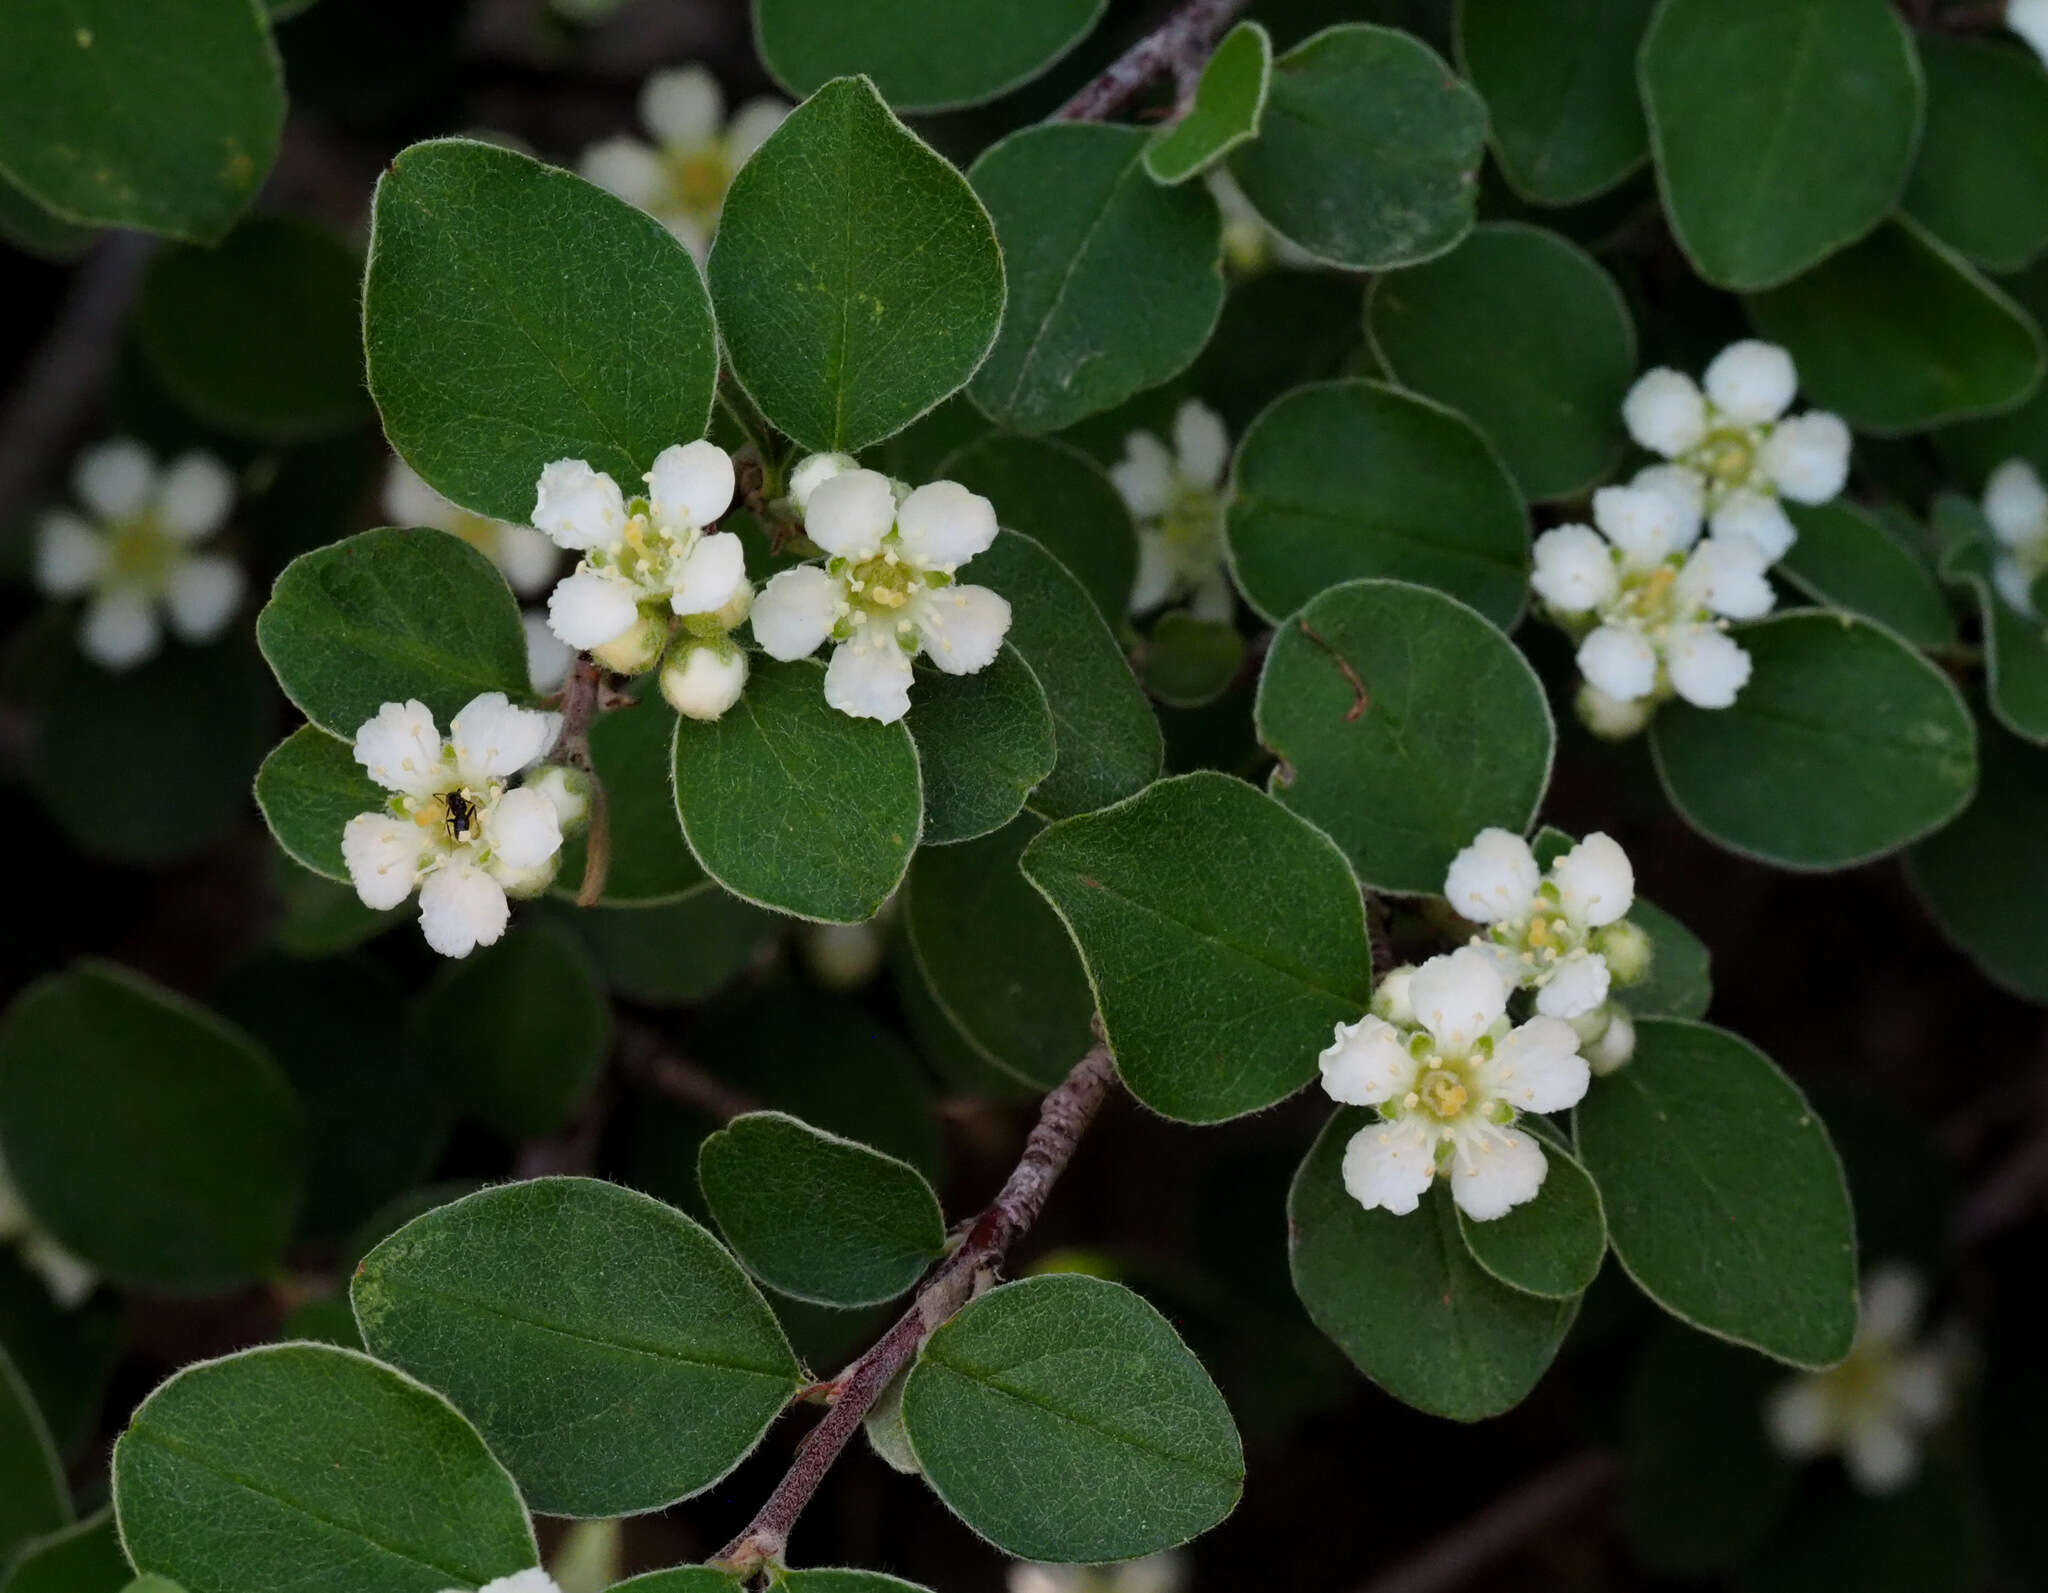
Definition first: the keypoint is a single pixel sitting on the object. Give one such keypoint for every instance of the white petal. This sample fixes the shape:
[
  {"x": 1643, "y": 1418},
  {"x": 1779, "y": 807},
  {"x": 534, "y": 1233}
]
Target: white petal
[
  {"x": 2015, "y": 502},
  {"x": 682, "y": 107},
  {"x": 1762, "y": 520},
  {"x": 943, "y": 525},
  {"x": 1493, "y": 878},
  {"x": 703, "y": 682},
  {"x": 1576, "y": 986},
  {"x": 383, "y": 857},
  {"x": 194, "y": 496},
  {"x": 1389, "y": 1165},
  {"x": 70, "y": 555},
  {"x": 462, "y": 908},
  {"x": 408, "y": 500},
  {"x": 548, "y": 657},
  {"x": 691, "y": 232},
  {"x": 120, "y": 629},
  {"x": 813, "y": 472},
  {"x": 401, "y": 749},
  {"x": 202, "y": 593},
  {"x": 752, "y": 125},
  {"x": 708, "y": 578},
  {"x": 2029, "y": 19},
  {"x": 1880, "y": 1453},
  {"x": 1366, "y": 1064},
  {"x": 1807, "y": 457},
  {"x": 494, "y": 740},
  {"x": 1494, "y": 1170},
  {"x": 2015, "y": 583},
  {"x": 627, "y": 168},
  {"x": 1685, "y": 493},
  {"x": 1458, "y": 998},
  {"x": 1538, "y": 1068},
  {"x": 1610, "y": 718},
  {"x": 1144, "y": 476},
  {"x": 526, "y": 558},
  {"x": 1706, "y": 665},
  {"x": 1214, "y": 599},
  {"x": 691, "y": 485},
  {"x": 1751, "y": 382},
  {"x": 69, "y": 1279},
  {"x": 961, "y": 627},
  {"x": 1892, "y": 1297},
  {"x": 1665, "y": 412},
  {"x": 579, "y": 507},
  {"x": 1725, "y": 575},
  {"x": 851, "y": 513},
  {"x": 1575, "y": 571},
  {"x": 1595, "y": 881},
  {"x": 1620, "y": 663},
  {"x": 1611, "y": 1052},
  {"x": 1800, "y": 1417},
  {"x": 796, "y": 611},
  {"x": 588, "y": 609},
  {"x": 523, "y": 829},
  {"x": 1201, "y": 446},
  {"x": 1920, "y": 1386},
  {"x": 1647, "y": 523},
  {"x": 1158, "y": 573},
  {"x": 115, "y": 479},
  {"x": 869, "y": 678}
]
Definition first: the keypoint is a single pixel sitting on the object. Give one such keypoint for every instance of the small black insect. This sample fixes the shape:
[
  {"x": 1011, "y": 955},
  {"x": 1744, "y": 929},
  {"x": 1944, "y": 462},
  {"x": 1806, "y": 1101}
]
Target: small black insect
[{"x": 461, "y": 816}]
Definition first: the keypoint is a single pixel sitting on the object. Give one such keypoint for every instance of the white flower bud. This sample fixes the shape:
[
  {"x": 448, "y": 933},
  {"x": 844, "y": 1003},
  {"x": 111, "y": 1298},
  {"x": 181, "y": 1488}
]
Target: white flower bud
[
  {"x": 1390, "y": 998},
  {"x": 637, "y": 650},
  {"x": 842, "y": 956},
  {"x": 568, "y": 789},
  {"x": 1627, "y": 948},
  {"x": 1615, "y": 1045},
  {"x": 814, "y": 472},
  {"x": 703, "y": 680},
  {"x": 1609, "y": 718}
]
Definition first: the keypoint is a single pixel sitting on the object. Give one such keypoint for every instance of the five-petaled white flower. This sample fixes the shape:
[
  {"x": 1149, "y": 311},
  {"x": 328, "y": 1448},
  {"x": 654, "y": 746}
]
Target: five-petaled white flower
[
  {"x": 655, "y": 551},
  {"x": 682, "y": 182},
  {"x": 1735, "y": 447},
  {"x": 1553, "y": 932},
  {"x": 1449, "y": 1076},
  {"x": 454, "y": 827},
  {"x": 1156, "y": 1573},
  {"x": 69, "y": 1280},
  {"x": 534, "y": 1580},
  {"x": 2029, "y": 19},
  {"x": 1874, "y": 1408},
  {"x": 138, "y": 557},
  {"x": 523, "y": 555},
  {"x": 887, "y": 591},
  {"x": 1176, "y": 496},
  {"x": 2016, "y": 504},
  {"x": 1648, "y": 600}
]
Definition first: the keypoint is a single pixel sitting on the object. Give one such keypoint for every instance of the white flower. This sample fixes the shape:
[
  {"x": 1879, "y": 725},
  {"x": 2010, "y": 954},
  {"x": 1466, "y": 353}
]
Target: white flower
[
  {"x": 523, "y": 556},
  {"x": 1448, "y": 1090},
  {"x": 1158, "y": 1573},
  {"x": 651, "y": 556},
  {"x": 69, "y": 1280},
  {"x": 1547, "y": 931},
  {"x": 1877, "y": 1405},
  {"x": 1176, "y": 497},
  {"x": 1735, "y": 443},
  {"x": 682, "y": 177},
  {"x": 531, "y": 1581},
  {"x": 2016, "y": 505},
  {"x": 886, "y": 592},
  {"x": 2029, "y": 19},
  {"x": 135, "y": 561},
  {"x": 455, "y": 827}
]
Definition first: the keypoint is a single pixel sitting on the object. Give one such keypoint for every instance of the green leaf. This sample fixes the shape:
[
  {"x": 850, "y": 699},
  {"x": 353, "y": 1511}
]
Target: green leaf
[
  {"x": 924, "y": 55},
  {"x": 1724, "y": 1198},
  {"x": 1679, "y": 983},
  {"x": 1900, "y": 334},
  {"x": 1405, "y": 724},
  {"x": 1981, "y": 184},
  {"x": 632, "y": 750},
  {"x": 1115, "y": 282},
  {"x": 34, "y": 230},
  {"x": 983, "y": 742},
  {"x": 1370, "y": 150},
  {"x": 611, "y": 1353},
  {"x": 320, "y": 917},
  {"x": 791, "y": 804},
  {"x": 1847, "y": 559},
  {"x": 308, "y": 789},
  {"x": 1189, "y": 662},
  {"x": 1223, "y": 937},
  {"x": 1782, "y": 129},
  {"x": 517, "y": 1030},
  {"x": 1403, "y": 1297},
  {"x": 150, "y": 1583},
  {"x": 845, "y": 1582},
  {"x": 675, "y": 954},
  {"x": 65, "y": 1357},
  {"x": 514, "y": 314},
  {"x": 1339, "y": 480},
  {"x": 996, "y": 959},
  {"x": 679, "y": 1579},
  {"x": 1108, "y": 741},
  {"x": 212, "y": 323},
  {"x": 227, "y": 1479},
  {"x": 1063, "y": 1419},
  {"x": 1844, "y": 746},
  {"x": 1975, "y": 448},
  {"x": 163, "y": 117},
  {"x": 33, "y": 1496},
  {"x": 1551, "y": 1246},
  {"x": 1985, "y": 877},
  {"x": 390, "y": 615},
  {"x": 1060, "y": 498},
  {"x": 2015, "y": 644},
  {"x": 1524, "y": 333},
  {"x": 1230, "y": 101},
  {"x": 818, "y": 1217},
  {"x": 154, "y": 1141},
  {"x": 857, "y": 276},
  {"x": 1560, "y": 86},
  {"x": 84, "y": 1558}
]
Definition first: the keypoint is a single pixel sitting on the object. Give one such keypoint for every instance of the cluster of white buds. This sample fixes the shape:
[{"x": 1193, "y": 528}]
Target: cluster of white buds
[
  {"x": 1449, "y": 1076},
  {"x": 648, "y": 563},
  {"x": 2016, "y": 505},
  {"x": 2029, "y": 19},
  {"x": 1156, "y": 1573},
  {"x": 681, "y": 178},
  {"x": 455, "y": 826},
  {"x": 886, "y": 592},
  {"x": 1176, "y": 496},
  {"x": 69, "y": 1280},
  {"x": 135, "y": 556}
]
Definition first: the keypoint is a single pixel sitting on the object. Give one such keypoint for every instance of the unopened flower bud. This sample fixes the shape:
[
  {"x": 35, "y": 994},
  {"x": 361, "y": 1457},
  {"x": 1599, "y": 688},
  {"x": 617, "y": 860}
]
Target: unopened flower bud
[
  {"x": 525, "y": 882},
  {"x": 842, "y": 956},
  {"x": 637, "y": 650},
  {"x": 1609, "y": 718},
  {"x": 814, "y": 472},
  {"x": 568, "y": 789},
  {"x": 720, "y": 620},
  {"x": 703, "y": 679},
  {"x": 1626, "y": 946},
  {"x": 1616, "y": 1044},
  {"x": 1390, "y": 1001}
]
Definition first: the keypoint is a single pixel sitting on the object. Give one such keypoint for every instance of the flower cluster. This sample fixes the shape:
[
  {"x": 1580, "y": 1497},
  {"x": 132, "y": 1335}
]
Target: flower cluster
[
  {"x": 681, "y": 179},
  {"x": 455, "y": 826},
  {"x": 1176, "y": 497},
  {"x": 136, "y": 555},
  {"x": 1449, "y": 1075},
  {"x": 2016, "y": 505},
  {"x": 69, "y": 1280},
  {"x": 886, "y": 592}
]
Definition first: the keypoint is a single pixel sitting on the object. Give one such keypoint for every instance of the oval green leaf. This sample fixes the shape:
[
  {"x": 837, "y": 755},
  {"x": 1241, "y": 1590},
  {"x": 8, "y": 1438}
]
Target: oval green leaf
[
  {"x": 675, "y": 954},
  {"x": 82, "y": 1558},
  {"x": 1981, "y": 184},
  {"x": 1230, "y": 101},
  {"x": 631, "y": 750},
  {"x": 983, "y": 742},
  {"x": 2015, "y": 644},
  {"x": 1551, "y": 1246},
  {"x": 1846, "y": 558},
  {"x": 1189, "y": 662},
  {"x": 308, "y": 789}
]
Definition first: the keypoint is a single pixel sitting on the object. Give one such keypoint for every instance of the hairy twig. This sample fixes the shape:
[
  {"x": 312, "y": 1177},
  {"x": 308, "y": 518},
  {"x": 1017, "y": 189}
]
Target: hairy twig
[
  {"x": 646, "y": 1058},
  {"x": 1063, "y": 1118},
  {"x": 1503, "y": 1526},
  {"x": 1178, "y": 47},
  {"x": 581, "y": 699}
]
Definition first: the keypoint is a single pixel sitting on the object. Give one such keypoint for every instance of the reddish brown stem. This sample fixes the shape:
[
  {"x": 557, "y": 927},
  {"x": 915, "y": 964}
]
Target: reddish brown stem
[
  {"x": 582, "y": 698},
  {"x": 1178, "y": 47},
  {"x": 647, "y": 1059}
]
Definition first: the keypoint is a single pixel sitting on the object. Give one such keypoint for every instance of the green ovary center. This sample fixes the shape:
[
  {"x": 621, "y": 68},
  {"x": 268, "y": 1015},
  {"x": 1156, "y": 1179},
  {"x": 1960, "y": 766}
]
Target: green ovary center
[
  {"x": 699, "y": 177},
  {"x": 1193, "y": 522},
  {"x": 1727, "y": 456},
  {"x": 140, "y": 555}
]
